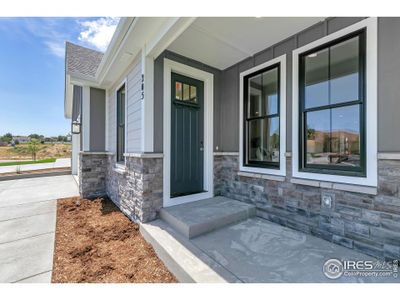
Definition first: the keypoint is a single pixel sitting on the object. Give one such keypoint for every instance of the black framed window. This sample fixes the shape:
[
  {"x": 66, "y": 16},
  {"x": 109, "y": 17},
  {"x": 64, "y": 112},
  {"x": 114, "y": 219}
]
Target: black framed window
[
  {"x": 332, "y": 107},
  {"x": 261, "y": 118},
  {"x": 121, "y": 124}
]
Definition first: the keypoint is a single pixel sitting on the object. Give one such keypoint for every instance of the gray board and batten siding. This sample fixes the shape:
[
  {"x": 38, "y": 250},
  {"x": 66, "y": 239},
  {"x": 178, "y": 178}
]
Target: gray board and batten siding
[{"x": 226, "y": 84}]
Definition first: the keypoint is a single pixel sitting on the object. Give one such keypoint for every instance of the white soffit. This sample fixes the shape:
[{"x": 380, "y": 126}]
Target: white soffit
[{"x": 222, "y": 42}]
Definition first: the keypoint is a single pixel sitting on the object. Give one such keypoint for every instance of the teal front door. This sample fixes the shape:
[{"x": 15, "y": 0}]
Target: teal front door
[{"x": 187, "y": 135}]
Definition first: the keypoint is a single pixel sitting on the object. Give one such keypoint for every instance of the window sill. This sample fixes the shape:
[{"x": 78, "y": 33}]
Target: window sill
[
  {"x": 94, "y": 153},
  {"x": 144, "y": 155},
  {"x": 119, "y": 168},
  {"x": 261, "y": 176},
  {"x": 336, "y": 186},
  {"x": 267, "y": 172},
  {"x": 389, "y": 156},
  {"x": 226, "y": 153}
]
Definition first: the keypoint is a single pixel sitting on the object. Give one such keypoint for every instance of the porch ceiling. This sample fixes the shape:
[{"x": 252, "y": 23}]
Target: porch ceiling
[{"x": 222, "y": 42}]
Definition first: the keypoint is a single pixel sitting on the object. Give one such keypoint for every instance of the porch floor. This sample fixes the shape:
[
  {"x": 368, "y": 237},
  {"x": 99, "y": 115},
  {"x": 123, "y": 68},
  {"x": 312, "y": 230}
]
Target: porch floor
[{"x": 253, "y": 250}]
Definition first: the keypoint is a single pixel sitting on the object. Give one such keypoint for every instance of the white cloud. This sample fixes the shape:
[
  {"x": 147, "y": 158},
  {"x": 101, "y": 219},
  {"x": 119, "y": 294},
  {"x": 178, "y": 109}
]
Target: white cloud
[
  {"x": 98, "y": 33},
  {"x": 57, "y": 48}
]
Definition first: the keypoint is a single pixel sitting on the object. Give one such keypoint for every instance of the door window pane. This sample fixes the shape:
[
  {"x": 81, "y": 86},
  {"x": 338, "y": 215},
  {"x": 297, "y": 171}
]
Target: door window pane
[
  {"x": 178, "y": 90},
  {"x": 264, "y": 140},
  {"x": 344, "y": 68},
  {"x": 193, "y": 93},
  {"x": 316, "y": 77},
  {"x": 186, "y": 92}
]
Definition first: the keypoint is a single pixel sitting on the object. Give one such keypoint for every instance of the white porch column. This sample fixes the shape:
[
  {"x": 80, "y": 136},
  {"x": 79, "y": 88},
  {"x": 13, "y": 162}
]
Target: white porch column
[
  {"x": 147, "y": 102},
  {"x": 85, "y": 118},
  {"x": 75, "y": 151}
]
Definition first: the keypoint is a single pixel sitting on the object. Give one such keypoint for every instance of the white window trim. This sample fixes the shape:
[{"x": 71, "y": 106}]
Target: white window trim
[
  {"x": 124, "y": 81},
  {"x": 282, "y": 119},
  {"x": 208, "y": 79},
  {"x": 371, "y": 121}
]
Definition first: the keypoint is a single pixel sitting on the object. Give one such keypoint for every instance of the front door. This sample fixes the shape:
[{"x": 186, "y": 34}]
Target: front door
[{"x": 187, "y": 135}]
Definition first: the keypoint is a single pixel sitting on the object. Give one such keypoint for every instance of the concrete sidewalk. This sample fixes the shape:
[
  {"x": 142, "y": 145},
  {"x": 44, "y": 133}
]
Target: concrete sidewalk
[
  {"x": 27, "y": 226},
  {"x": 59, "y": 163}
]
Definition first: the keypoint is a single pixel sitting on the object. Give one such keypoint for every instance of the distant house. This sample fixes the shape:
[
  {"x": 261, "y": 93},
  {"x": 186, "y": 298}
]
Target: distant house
[{"x": 21, "y": 139}]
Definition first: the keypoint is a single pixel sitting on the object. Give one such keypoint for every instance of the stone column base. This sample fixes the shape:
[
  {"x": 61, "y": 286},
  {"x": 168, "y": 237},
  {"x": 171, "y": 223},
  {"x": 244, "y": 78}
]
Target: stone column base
[{"x": 92, "y": 174}]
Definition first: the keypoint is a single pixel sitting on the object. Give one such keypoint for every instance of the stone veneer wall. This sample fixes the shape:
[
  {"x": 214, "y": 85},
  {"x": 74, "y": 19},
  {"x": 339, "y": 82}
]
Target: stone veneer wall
[
  {"x": 367, "y": 223},
  {"x": 136, "y": 189},
  {"x": 92, "y": 174}
]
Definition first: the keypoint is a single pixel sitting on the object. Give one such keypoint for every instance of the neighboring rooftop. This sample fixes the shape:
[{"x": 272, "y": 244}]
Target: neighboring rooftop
[{"x": 82, "y": 61}]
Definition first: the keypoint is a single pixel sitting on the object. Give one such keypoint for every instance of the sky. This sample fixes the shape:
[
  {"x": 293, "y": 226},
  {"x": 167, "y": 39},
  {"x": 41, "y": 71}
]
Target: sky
[{"x": 32, "y": 69}]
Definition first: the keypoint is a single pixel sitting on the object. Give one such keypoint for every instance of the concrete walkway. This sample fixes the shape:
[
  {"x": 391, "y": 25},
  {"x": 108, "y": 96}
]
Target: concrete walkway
[
  {"x": 59, "y": 163},
  {"x": 27, "y": 226}
]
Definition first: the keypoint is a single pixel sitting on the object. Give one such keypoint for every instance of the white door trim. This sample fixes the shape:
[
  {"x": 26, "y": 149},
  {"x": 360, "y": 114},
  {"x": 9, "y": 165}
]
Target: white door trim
[{"x": 208, "y": 79}]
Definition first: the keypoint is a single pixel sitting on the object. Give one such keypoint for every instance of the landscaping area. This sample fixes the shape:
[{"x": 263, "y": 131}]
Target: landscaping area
[
  {"x": 96, "y": 242},
  {"x": 27, "y": 162},
  {"x": 44, "y": 151}
]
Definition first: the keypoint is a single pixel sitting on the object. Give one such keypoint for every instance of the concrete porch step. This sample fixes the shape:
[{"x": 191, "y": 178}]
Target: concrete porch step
[{"x": 199, "y": 217}]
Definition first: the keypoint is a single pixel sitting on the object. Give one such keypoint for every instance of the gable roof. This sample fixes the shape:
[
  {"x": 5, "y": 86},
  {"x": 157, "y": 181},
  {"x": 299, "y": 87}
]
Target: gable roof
[{"x": 81, "y": 61}]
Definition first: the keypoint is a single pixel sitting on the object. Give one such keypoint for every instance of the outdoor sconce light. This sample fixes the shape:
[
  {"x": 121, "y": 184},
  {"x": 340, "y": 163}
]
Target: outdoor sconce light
[{"x": 76, "y": 127}]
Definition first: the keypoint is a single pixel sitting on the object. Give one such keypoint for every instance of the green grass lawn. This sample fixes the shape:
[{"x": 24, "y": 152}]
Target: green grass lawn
[{"x": 28, "y": 162}]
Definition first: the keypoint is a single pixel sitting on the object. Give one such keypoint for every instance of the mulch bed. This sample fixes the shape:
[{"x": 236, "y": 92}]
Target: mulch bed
[{"x": 95, "y": 242}]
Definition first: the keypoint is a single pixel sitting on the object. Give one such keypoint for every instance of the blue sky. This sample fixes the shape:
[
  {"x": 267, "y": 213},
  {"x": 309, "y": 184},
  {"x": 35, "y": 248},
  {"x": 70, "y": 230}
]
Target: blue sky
[{"x": 32, "y": 69}]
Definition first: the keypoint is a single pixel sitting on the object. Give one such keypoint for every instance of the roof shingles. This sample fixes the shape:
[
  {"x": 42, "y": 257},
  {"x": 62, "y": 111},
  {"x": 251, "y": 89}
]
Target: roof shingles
[{"x": 82, "y": 61}]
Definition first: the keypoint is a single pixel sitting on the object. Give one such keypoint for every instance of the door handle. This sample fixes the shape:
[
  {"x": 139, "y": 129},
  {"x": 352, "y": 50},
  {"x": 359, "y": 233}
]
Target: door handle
[{"x": 201, "y": 146}]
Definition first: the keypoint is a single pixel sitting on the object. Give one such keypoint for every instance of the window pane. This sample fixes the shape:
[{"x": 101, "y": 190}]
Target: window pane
[
  {"x": 178, "y": 90},
  {"x": 264, "y": 140},
  {"x": 333, "y": 136},
  {"x": 263, "y": 94},
  {"x": 316, "y": 79},
  {"x": 270, "y": 92},
  {"x": 255, "y": 94},
  {"x": 193, "y": 93},
  {"x": 186, "y": 89},
  {"x": 346, "y": 136},
  {"x": 318, "y": 137},
  {"x": 120, "y": 124},
  {"x": 121, "y": 106},
  {"x": 344, "y": 71}
]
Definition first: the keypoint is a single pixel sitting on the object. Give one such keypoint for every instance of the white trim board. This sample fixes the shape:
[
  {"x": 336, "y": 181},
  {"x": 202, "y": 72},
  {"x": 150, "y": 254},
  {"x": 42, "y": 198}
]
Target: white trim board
[
  {"x": 208, "y": 79},
  {"x": 371, "y": 122},
  {"x": 282, "y": 118},
  {"x": 147, "y": 68}
]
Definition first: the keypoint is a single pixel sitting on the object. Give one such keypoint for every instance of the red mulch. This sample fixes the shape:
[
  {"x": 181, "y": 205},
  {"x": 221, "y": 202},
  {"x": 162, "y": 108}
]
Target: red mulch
[{"x": 95, "y": 242}]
